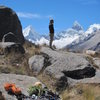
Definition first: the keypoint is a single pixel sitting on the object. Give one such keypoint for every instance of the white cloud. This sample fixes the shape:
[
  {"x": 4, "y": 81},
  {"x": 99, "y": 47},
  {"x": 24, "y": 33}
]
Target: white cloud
[
  {"x": 32, "y": 15},
  {"x": 28, "y": 15}
]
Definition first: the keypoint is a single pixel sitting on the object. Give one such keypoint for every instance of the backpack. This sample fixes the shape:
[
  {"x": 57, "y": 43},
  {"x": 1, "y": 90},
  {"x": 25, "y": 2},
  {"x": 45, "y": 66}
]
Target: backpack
[{"x": 11, "y": 88}]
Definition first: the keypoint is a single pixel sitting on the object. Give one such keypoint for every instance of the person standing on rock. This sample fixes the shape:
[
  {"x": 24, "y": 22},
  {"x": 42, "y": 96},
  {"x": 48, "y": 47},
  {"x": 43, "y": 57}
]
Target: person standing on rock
[{"x": 51, "y": 32}]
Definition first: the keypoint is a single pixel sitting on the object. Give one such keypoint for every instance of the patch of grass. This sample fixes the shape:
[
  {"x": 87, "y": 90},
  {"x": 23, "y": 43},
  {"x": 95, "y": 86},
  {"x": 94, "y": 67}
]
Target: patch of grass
[
  {"x": 18, "y": 63},
  {"x": 88, "y": 94},
  {"x": 1, "y": 51},
  {"x": 12, "y": 70},
  {"x": 48, "y": 80},
  {"x": 82, "y": 92},
  {"x": 97, "y": 98},
  {"x": 31, "y": 49},
  {"x": 5, "y": 70}
]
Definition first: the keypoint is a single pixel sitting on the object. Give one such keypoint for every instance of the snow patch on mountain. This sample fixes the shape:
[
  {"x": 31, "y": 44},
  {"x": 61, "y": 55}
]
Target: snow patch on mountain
[
  {"x": 93, "y": 28},
  {"x": 77, "y": 26},
  {"x": 83, "y": 41},
  {"x": 62, "y": 42},
  {"x": 42, "y": 41},
  {"x": 30, "y": 34},
  {"x": 68, "y": 36},
  {"x": 86, "y": 35}
]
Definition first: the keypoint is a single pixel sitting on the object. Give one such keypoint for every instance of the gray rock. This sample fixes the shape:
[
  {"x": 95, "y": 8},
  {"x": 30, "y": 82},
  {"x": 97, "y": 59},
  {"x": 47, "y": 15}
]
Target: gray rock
[
  {"x": 21, "y": 81},
  {"x": 9, "y": 22},
  {"x": 67, "y": 65},
  {"x": 36, "y": 63},
  {"x": 9, "y": 37},
  {"x": 11, "y": 47},
  {"x": 95, "y": 79},
  {"x": 16, "y": 48},
  {"x": 64, "y": 62},
  {"x": 97, "y": 61},
  {"x": 5, "y": 44}
]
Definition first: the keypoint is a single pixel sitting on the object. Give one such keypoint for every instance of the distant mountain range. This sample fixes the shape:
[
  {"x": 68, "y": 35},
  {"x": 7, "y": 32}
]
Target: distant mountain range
[
  {"x": 89, "y": 40},
  {"x": 64, "y": 39},
  {"x": 92, "y": 42}
]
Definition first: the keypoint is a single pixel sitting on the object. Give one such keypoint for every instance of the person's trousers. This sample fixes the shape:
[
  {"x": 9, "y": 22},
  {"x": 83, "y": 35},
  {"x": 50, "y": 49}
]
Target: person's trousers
[{"x": 51, "y": 39}]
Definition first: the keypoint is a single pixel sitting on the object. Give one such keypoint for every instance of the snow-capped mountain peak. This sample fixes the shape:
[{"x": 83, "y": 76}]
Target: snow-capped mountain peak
[
  {"x": 76, "y": 29},
  {"x": 28, "y": 30},
  {"x": 86, "y": 35},
  {"x": 30, "y": 34},
  {"x": 76, "y": 26},
  {"x": 93, "y": 28}
]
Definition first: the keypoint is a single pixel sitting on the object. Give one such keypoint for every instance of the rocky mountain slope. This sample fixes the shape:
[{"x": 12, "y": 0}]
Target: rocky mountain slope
[
  {"x": 83, "y": 41},
  {"x": 92, "y": 42}
]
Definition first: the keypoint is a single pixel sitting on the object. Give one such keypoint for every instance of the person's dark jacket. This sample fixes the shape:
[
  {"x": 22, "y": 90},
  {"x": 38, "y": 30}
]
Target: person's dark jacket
[{"x": 51, "y": 28}]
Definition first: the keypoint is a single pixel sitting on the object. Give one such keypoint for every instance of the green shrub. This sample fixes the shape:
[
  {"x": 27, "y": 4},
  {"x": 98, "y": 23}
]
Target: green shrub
[{"x": 35, "y": 90}]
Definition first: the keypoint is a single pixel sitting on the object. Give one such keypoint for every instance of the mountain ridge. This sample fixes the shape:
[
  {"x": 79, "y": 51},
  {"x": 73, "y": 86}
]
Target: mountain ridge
[{"x": 70, "y": 36}]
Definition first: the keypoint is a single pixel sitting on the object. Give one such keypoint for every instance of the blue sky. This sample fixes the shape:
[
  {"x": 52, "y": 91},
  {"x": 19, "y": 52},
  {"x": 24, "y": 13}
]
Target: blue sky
[{"x": 64, "y": 13}]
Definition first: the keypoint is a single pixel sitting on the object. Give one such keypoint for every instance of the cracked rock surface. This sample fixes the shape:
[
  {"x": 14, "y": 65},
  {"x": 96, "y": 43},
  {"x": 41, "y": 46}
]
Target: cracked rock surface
[
  {"x": 65, "y": 67},
  {"x": 71, "y": 63}
]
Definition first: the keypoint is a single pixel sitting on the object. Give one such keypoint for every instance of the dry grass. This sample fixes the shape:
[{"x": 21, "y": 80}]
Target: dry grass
[
  {"x": 82, "y": 92},
  {"x": 18, "y": 63},
  {"x": 78, "y": 92},
  {"x": 31, "y": 49},
  {"x": 49, "y": 81}
]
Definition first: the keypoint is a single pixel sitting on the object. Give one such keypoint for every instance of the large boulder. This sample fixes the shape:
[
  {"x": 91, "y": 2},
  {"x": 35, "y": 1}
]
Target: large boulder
[
  {"x": 38, "y": 63},
  {"x": 66, "y": 65},
  {"x": 9, "y": 22}
]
